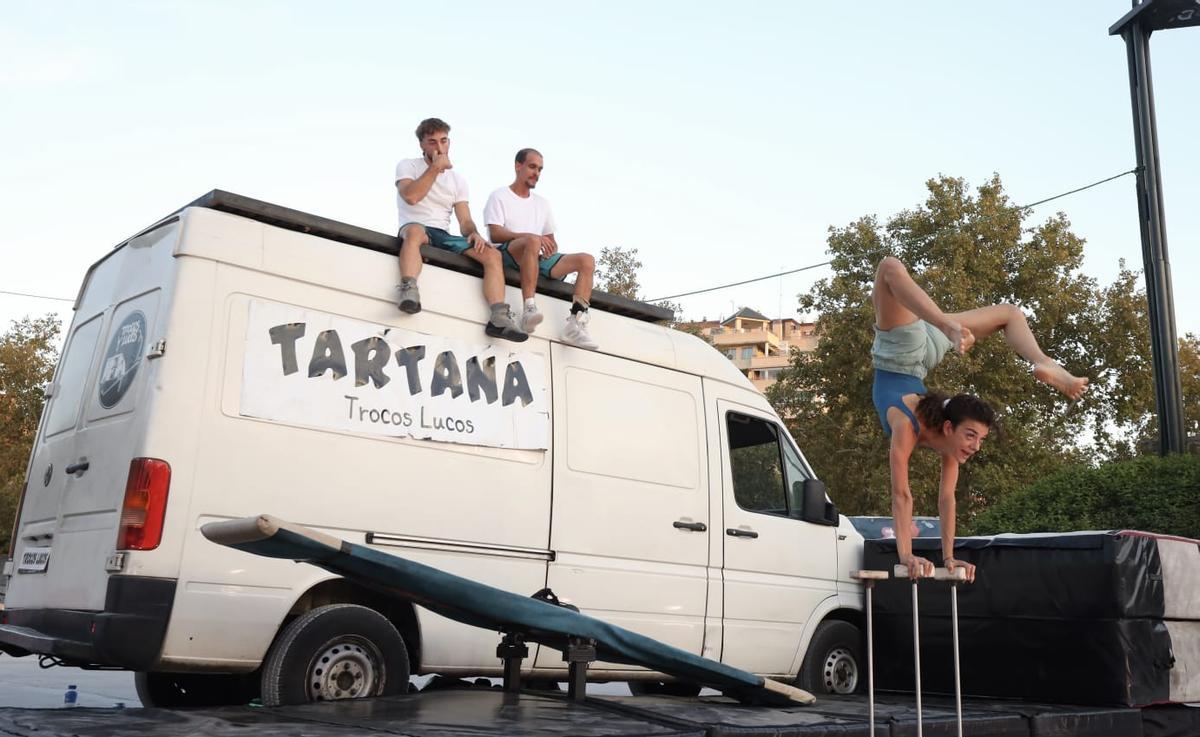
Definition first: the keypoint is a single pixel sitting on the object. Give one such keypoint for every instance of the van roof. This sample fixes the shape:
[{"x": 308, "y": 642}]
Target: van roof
[{"x": 352, "y": 235}]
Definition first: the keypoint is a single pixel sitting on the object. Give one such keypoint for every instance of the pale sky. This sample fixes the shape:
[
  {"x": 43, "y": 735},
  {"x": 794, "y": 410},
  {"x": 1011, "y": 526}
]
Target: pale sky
[{"x": 719, "y": 139}]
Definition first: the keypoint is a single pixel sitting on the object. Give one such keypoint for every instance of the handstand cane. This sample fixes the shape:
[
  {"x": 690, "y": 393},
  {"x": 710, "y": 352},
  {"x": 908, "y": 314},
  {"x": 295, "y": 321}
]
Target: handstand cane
[
  {"x": 901, "y": 571},
  {"x": 868, "y": 579},
  {"x": 955, "y": 577}
]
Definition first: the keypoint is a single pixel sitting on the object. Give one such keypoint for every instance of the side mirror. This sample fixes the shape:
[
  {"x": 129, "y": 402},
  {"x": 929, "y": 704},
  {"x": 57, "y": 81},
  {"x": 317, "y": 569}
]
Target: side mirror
[{"x": 814, "y": 507}]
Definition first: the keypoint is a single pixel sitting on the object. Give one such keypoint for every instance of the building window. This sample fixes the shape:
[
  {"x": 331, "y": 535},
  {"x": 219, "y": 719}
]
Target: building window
[{"x": 748, "y": 352}]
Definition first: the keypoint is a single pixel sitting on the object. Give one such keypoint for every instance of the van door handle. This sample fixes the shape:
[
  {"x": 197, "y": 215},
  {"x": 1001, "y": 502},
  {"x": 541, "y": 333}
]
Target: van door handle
[
  {"x": 77, "y": 468},
  {"x": 693, "y": 526},
  {"x": 734, "y": 532}
]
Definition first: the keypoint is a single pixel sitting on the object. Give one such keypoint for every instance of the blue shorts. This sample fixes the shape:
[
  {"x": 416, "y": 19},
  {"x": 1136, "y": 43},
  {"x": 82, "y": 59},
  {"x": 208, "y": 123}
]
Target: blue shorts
[
  {"x": 889, "y": 391},
  {"x": 544, "y": 265},
  {"x": 439, "y": 238}
]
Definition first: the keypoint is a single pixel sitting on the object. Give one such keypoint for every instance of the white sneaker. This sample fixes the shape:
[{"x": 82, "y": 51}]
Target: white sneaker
[
  {"x": 576, "y": 332},
  {"x": 531, "y": 318}
]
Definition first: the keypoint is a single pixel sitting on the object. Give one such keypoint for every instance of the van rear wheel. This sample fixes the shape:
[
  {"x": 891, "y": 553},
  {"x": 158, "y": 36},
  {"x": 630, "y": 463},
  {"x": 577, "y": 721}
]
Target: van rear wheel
[
  {"x": 340, "y": 651},
  {"x": 176, "y": 690},
  {"x": 834, "y": 662}
]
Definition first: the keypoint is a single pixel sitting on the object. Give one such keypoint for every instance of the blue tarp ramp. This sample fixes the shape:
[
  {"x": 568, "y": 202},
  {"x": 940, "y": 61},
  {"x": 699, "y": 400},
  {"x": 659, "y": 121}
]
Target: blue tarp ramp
[{"x": 480, "y": 605}]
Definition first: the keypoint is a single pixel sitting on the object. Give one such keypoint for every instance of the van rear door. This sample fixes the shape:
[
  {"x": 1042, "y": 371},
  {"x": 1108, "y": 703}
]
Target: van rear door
[{"x": 71, "y": 510}]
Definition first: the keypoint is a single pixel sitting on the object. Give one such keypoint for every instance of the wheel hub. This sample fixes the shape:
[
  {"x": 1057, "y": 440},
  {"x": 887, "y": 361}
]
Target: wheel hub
[
  {"x": 840, "y": 671},
  {"x": 345, "y": 668}
]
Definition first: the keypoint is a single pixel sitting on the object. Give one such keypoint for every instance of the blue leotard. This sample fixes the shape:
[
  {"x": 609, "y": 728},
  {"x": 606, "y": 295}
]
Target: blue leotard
[
  {"x": 902, "y": 357},
  {"x": 889, "y": 390}
]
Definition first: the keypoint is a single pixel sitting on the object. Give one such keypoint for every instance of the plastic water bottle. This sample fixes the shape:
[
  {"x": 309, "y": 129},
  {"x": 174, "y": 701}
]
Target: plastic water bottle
[{"x": 71, "y": 697}]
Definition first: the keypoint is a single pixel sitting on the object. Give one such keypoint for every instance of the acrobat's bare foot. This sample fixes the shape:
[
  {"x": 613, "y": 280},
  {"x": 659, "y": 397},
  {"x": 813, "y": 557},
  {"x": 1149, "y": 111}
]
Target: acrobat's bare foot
[
  {"x": 961, "y": 337},
  {"x": 1053, "y": 374}
]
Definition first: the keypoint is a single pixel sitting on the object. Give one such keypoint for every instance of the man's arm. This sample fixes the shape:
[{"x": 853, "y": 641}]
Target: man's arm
[
  {"x": 413, "y": 191},
  {"x": 466, "y": 226},
  {"x": 904, "y": 441},
  {"x": 947, "y": 511},
  {"x": 500, "y": 234}
]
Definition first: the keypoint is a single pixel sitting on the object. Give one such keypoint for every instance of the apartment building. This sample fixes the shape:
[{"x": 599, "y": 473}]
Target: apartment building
[{"x": 759, "y": 346}]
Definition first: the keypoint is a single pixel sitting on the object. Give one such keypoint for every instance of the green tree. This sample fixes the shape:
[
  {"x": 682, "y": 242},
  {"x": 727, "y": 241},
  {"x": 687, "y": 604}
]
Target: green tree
[
  {"x": 617, "y": 272},
  {"x": 27, "y": 359},
  {"x": 1148, "y": 493},
  {"x": 967, "y": 249}
]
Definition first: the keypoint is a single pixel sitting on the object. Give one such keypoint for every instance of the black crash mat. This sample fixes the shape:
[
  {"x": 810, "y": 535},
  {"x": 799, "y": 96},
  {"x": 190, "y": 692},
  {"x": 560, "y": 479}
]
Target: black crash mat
[
  {"x": 898, "y": 714},
  {"x": 450, "y": 713},
  {"x": 1070, "y": 575},
  {"x": 895, "y": 716},
  {"x": 1125, "y": 662},
  {"x": 1049, "y": 720},
  {"x": 1069, "y": 618},
  {"x": 723, "y": 717},
  {"x": 1174, "y": 720}
]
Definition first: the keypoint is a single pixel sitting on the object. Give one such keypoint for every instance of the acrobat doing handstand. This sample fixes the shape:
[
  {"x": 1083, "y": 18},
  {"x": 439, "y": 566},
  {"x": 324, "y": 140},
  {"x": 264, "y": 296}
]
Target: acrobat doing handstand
[{"x": 912, "y": 335}]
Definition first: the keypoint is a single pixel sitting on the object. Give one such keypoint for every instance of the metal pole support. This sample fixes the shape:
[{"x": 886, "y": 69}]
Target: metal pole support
[
  {"x": 512, "y": 650},
  {"x": 580, "y": 651},
  {"x": 868, "y": 579},
  {"x": 959, "y": 575}
]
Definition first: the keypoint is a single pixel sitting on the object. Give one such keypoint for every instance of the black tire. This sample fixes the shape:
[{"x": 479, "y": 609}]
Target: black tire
[
  {"x": 834, "y": 663},
  {"x": 181, "y": 690},
  {"x": 664, "y": 688},
  {"x": 340, "y": 651}
]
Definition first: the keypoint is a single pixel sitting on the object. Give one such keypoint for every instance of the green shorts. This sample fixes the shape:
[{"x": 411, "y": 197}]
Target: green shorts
[
  {"x": 912, "y": 349},
  {"x": 439, "y": 238},
  {"x": 544, "y": 265}
]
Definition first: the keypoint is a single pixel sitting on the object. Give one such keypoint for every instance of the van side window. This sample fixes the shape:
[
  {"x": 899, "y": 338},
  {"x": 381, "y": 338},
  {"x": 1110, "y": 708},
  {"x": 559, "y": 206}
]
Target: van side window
[
  {"x": 72, "y": 375},
  {"x": 756, "y": 465}
]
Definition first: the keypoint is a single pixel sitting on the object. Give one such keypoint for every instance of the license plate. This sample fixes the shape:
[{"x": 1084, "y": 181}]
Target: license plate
[{"x": 34, "y": 560}]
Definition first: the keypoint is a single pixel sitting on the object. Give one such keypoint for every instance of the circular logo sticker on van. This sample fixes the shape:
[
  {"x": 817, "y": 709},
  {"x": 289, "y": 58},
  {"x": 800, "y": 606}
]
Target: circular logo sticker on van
[{"x": 121, "y": 359}]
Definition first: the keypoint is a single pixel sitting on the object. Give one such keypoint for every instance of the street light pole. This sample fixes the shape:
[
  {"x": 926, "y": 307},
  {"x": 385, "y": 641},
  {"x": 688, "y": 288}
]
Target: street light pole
[{"x": 1135, "y": 28}]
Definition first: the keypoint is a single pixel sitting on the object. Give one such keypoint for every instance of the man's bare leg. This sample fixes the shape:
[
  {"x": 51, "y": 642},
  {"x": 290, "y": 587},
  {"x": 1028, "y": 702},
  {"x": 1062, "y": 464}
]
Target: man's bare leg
[
  {"x": 493, "y": 273},
  {"x": 583, "y": 265},
  {"x": 984, "y": 321},
  {"x": 413, "y": 237},
  {"x": 899, "y": 301},
  {"x": 525, "y": 251}
]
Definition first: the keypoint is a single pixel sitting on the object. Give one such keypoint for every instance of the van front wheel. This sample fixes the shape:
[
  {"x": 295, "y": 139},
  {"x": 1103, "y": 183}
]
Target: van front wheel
[
  {"x": 834, "y": 662},
  {"x": 340, "y": 651}
]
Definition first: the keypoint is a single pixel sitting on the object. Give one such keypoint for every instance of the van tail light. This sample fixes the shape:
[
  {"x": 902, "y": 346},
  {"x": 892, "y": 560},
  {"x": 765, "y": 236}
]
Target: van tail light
[{"x": 145, "y": 504}]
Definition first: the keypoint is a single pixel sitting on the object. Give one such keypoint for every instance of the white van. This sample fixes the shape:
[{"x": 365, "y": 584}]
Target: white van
[{"x": 238, "y": 358}]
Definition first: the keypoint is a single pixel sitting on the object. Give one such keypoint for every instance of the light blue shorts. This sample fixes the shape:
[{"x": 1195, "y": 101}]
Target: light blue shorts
[{"x": 912, "y": 349}]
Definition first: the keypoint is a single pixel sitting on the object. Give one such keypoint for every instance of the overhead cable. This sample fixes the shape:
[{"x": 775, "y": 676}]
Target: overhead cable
[{"x": 1134, "y": 170}]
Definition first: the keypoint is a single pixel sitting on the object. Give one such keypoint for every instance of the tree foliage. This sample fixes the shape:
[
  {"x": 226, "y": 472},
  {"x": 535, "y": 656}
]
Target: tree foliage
[
  {"x": 1149, "y": 493},
  {"x": 970, "y": 249},
  {"x": 27, "y": 359},
  {"x": 617, "y": 272}
]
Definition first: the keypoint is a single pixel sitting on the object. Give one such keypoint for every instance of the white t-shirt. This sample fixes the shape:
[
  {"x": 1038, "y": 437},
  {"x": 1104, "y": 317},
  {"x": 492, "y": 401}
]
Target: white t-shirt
[
  {"x": 434, "y": 209},
  {"x": 519, "y": 214}
]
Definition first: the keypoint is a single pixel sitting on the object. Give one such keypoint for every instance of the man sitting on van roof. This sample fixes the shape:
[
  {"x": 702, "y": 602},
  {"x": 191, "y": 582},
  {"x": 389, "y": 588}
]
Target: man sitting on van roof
[
  {"x": 521, "y": 222},
  {"x": 427, "y": 190}
]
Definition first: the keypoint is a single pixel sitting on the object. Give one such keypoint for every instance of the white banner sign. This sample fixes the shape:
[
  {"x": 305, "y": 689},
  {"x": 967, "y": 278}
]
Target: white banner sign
[{"x": 312, "y": 368}]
